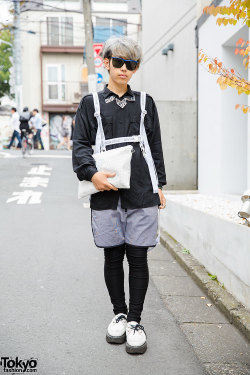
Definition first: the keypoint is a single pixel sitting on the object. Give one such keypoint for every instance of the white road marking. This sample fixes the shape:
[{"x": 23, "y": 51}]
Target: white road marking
[
  {"x": 41, "y": 170},
  {"x": 52, "y": 156},
  {"x": 29, "y": 196},
  {"x": 7, "y": 155},
  {"x": 26, "y": 196},
  {"x": 34, "y": 181}
]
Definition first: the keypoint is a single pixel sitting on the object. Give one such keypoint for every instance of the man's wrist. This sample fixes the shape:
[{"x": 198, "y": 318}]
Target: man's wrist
[
  {"x": 89, "y": 172},
  {"x": 93, "y": 175}
]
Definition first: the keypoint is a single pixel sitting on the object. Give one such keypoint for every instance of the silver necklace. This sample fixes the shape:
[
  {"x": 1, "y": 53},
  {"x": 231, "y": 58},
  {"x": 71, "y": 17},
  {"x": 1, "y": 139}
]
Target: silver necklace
[{"x": 122, "y": 102}]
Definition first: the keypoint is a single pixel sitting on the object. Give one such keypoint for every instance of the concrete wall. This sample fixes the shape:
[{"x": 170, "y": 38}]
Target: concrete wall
[
  {"x": 171, "y": 80},
  {"x": 178, "y": 131},
  {"x": 224, "y": 140}
]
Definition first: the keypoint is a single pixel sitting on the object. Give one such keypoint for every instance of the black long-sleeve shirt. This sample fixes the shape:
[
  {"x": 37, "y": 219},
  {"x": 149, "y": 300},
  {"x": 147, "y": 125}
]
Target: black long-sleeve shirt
[{"x": 119, "y": 122}]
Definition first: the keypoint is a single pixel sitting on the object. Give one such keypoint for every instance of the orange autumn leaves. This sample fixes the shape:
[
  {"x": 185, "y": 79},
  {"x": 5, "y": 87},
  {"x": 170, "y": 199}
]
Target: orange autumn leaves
[
  {"x": 243, "y": 51},
  {"x": 238, "y": 9},
  {"x": 227, "y": 77}
]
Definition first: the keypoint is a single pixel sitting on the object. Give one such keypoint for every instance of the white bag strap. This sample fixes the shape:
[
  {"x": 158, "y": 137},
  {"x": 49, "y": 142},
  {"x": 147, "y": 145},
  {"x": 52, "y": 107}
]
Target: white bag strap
[
  {"x": 100, "y": 142},
  {"x": 132, "y": 138},
  {"x": 145, "y": 146},
  {"x": 100, "y": 137},
  {"x": 159, "y": 234}
]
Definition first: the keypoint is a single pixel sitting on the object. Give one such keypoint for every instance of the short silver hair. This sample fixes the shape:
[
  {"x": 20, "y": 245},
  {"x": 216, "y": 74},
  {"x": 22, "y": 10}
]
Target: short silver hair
[{"x": 122, "y": 46}]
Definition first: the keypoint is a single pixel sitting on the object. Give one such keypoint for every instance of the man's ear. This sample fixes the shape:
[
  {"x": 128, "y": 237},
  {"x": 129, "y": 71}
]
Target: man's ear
[{"x": 106, "y": 63}]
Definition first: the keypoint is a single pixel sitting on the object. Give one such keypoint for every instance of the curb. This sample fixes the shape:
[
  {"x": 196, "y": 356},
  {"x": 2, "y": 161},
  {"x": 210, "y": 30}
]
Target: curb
[{"x": 236, "y": 313}]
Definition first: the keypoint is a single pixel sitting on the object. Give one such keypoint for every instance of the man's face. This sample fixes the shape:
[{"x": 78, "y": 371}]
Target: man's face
[
  {"x": 119, "y": 75},
  {"x": 33, "y": 113},
  {"x": 12, "y": 111}
]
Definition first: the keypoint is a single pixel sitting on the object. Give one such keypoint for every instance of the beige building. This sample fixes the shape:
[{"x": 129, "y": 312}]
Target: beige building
[{"x": 53, "y": 65}]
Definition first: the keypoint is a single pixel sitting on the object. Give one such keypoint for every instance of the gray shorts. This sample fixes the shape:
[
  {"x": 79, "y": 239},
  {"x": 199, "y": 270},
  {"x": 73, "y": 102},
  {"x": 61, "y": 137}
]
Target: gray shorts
[{"x": 136, "y": 227}]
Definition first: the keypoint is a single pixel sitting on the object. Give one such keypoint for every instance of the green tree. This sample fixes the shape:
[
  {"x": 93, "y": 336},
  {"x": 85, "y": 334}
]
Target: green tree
[{"x": 5, "y": 62}]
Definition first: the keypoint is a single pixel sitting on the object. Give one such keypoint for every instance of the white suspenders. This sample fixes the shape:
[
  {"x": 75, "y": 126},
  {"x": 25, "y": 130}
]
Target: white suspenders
[{"x": 101, "y": 143}]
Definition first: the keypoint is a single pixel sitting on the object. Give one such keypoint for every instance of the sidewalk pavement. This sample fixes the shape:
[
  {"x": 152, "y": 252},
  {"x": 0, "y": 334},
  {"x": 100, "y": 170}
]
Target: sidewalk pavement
[{"x": 219, "y": 345}]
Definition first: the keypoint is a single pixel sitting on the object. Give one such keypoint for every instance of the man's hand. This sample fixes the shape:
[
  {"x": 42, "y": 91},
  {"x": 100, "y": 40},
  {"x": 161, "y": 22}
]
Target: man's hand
[
  {"x": 162, "y": 199},
  {"x": 100, "y": 181}
]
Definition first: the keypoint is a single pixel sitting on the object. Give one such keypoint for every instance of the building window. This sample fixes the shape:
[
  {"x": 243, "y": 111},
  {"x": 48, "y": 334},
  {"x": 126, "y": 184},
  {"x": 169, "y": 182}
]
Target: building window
[
  {"x": 60, "y": 31},
  {"x": 53, "y": 31},
  {"x": 105, "y": 28},
  {"x": 56, "y": 82},
  {"x": 67, "y": 31}
]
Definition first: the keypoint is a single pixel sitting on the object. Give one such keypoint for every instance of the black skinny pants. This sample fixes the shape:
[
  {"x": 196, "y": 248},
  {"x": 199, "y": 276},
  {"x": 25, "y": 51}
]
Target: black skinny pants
[{"x": 138, "y": 279}]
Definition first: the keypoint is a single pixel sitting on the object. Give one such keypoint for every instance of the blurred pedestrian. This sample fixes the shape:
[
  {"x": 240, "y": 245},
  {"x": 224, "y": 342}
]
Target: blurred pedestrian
[
  {"x": 65, "y": 133},
  {"x": 72, "y": 130},
  {"x": 15, "y": 124},
  {"x": 72, "y": 127},
  {"x": 37, "y": 121},
  {"x": 24, "y": 123}
]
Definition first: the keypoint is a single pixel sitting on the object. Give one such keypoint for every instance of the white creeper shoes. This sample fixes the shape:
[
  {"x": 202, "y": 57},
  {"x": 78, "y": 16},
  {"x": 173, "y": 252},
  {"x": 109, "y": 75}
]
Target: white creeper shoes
[
  {"x": 136, "y": 338},
  {"x": 116, "y": 332}
]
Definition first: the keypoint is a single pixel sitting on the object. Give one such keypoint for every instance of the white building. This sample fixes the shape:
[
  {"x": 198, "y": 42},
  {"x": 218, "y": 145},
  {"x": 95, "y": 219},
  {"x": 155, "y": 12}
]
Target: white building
[
  {"x": 169, "y": 73},
  {"x": 206, "y": 222},
  {"x": 54, "y": 72},
  {"x": 224, "y": 133}
]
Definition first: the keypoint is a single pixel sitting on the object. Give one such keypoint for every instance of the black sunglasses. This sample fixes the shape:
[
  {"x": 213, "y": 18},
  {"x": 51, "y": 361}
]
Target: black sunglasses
[{"x": 118, "y": 63}]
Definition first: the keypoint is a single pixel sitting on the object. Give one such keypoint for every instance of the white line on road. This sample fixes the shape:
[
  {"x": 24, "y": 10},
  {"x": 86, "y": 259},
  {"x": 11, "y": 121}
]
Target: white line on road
[{"x": 6, "y": 155}]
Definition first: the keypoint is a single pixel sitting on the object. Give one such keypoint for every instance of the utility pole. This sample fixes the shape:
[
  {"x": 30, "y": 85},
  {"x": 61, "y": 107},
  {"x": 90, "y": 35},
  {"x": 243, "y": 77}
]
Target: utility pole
[
  {"x": 17, "y": 54},
  {"x": 89, "y": 45}
]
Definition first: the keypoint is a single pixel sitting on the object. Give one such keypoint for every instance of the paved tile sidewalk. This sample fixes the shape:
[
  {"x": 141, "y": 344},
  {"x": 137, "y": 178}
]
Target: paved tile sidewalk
[{"x": 219, "y": 345}]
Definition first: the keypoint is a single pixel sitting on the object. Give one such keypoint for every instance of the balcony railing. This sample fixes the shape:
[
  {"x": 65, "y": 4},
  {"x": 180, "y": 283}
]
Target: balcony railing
[{"x": 62, "y": 93}]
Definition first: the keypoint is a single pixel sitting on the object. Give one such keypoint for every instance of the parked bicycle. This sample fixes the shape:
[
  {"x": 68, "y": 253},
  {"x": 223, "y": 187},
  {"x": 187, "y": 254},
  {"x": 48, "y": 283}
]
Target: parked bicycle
[{"x": 27, "y": 143}]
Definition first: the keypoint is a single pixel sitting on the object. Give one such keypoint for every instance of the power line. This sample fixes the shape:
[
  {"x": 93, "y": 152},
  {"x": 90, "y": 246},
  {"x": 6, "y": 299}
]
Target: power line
[
  {"x": 65, "y": 10},
  {"x": 46, "y": 10},
  {"x": 178, "y": 32},
  {"x": 166, "y": 32},
  {"x": 13, "y": 1},
  {"x": 37, "y": 33}
]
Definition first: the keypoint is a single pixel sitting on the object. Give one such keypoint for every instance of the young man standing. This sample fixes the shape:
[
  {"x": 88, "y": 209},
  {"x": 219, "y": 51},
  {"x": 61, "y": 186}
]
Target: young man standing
[{"x": 124, "y": 221}]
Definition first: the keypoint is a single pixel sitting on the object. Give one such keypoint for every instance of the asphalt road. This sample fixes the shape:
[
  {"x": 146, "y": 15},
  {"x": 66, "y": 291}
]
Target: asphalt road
[{"x": 54, "y": 303}]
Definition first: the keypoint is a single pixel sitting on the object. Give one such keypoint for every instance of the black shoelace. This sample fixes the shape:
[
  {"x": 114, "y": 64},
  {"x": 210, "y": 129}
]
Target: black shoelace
[
  {"x": 136, "y": 327},
  {"x": 120, "y": 318}
]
